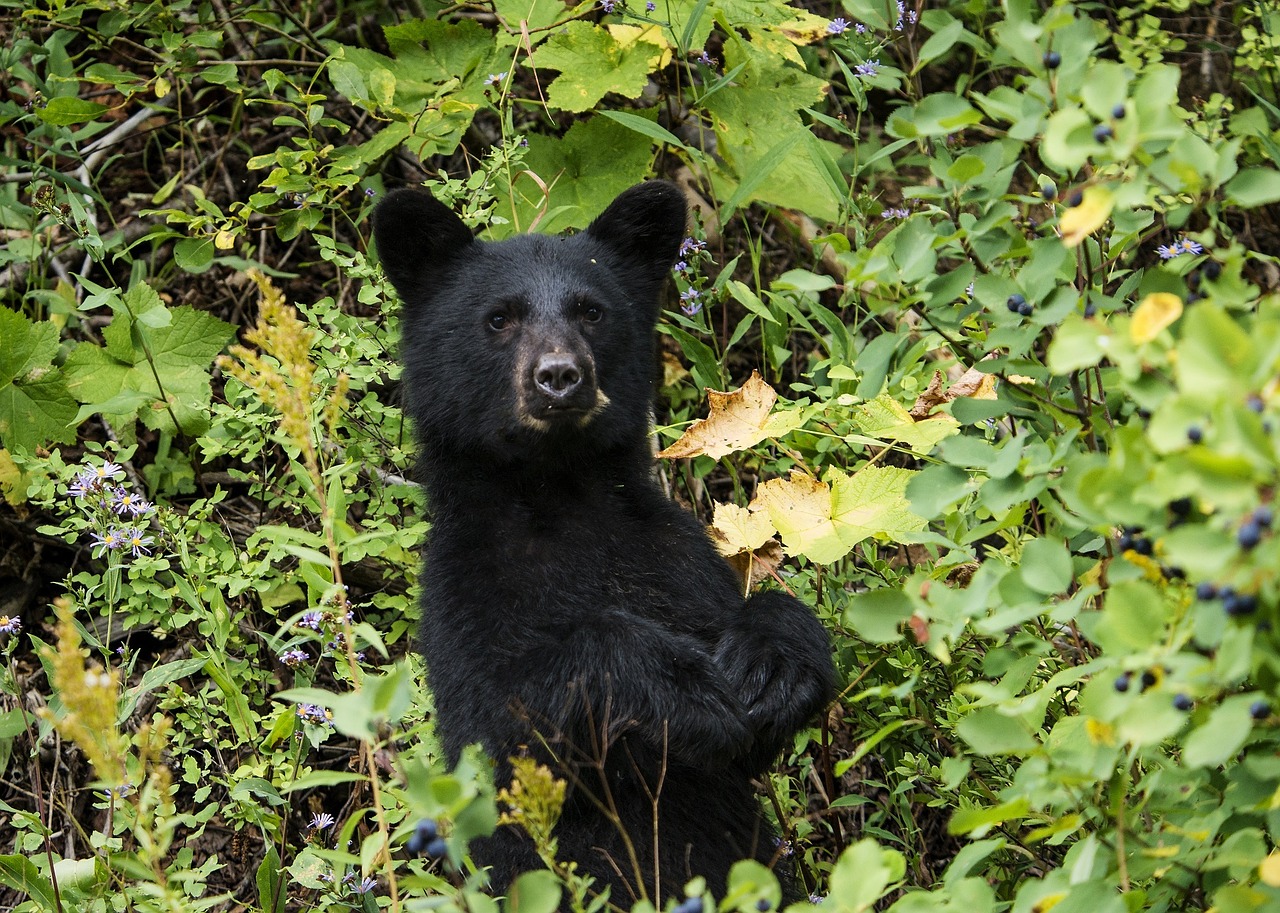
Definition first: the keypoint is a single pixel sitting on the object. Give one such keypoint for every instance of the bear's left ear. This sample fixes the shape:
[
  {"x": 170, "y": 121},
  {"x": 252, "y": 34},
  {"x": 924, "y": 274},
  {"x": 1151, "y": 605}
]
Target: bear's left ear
[
  {"x": 416, "y": 235},
  {"x": 645, "y": 223}
]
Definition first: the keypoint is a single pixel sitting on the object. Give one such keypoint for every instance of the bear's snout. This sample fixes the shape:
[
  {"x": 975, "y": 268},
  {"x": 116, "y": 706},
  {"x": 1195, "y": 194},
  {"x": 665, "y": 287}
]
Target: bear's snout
[
  {"x": 557, "y": 375},
  {"x": 558, "y": 384}
]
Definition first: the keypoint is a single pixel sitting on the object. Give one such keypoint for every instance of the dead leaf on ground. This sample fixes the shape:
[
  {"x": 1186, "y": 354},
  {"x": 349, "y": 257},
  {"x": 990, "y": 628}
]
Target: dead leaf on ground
[
  {"x": 972, "y": 383},
  {"x": 736, "y": 421}
]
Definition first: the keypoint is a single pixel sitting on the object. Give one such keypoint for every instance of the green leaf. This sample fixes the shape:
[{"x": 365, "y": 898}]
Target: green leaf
[
  {"x": 990, "y": 732},
  {"x": 592, "y": 64},
  {"x": 862, "y": 875},
  {"x": 271, "y": 895},
  {"x": 878, "y": 615},
  {"x": 66, "y": 110},
  {"x": 591, "y": 164},
  {"x": 647, "y": 127},
  {"x": 1217, "y": 740},
  {"x": 35, "y": 405},
  {"x": 20, "y": 873},
  {"x": 935, "y": 115},
  {"x": 1046, "y": 566},
  {"x": 181, "y": 353},
  {"x": 534, "y": 892},
  {"x": 1254, "y": 187},
  {"x": 978, "y": 821}
]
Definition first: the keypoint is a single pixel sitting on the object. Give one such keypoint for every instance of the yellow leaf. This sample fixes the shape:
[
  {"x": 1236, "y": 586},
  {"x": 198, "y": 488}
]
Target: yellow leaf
[
  {"x": 1078, "y": 222},
  {"x": 649, "y": 34},
  {"x": 736, "y": 529},
  {"x": 1157, "y": 311},
  {"x": 1269, "y": 871},
  {"x": 824, "y": 521},
  {"x": 736, "y": 421},
  {"x": 224, "y": 240},
  {"x": 1100, "y": 733},
  {"x": 801, "y": 508}
]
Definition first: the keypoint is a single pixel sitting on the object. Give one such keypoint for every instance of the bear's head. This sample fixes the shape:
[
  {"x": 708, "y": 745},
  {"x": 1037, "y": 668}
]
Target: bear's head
[{"x": 536, "y": 345}]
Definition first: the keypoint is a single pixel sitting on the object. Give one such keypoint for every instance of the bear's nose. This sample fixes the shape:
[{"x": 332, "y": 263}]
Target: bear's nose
[{"x": 557, "y": 375}]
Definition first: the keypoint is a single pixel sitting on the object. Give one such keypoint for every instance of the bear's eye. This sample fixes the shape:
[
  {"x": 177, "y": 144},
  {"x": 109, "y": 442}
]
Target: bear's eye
[
  {"x": 499, "y": 321},
  {"x": 591, "y": 313}
]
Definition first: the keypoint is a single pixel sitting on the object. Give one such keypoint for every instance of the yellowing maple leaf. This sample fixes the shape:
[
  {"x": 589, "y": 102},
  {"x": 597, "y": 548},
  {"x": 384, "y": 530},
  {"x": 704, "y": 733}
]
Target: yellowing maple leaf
[
  {"x": 736, "y": 421},
  {"x": 1078, "y": 222},
  {"x": 1156, "y": 311},
  {"x": 824, "y": 521},
  {"x": 736, "y": 529},
  {"x": 886, "y": 419}
]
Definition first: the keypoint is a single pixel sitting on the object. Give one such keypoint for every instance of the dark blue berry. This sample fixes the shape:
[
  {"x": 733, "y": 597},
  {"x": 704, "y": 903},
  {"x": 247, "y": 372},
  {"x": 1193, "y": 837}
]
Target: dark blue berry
[
  {"x": 1194, "y": 434},
  {"x": 1052, "y": 59},
  {"x": 1142, "y": 545},
  {"x": 1090, "y": 309},
  {"x": 1249, "y": 534},
  {"x": 1048, "y": 191},
  {"x": 1263, "y": 516},
  {"x": 1076, "y": 198},
  {"x": 1212, "y": 269},
  {"x": 1259, "y": 710},
  {"x": 1180, "y": 507},
  {"x": 689, "y": 905},
  {"x": 763, "y": 905},
  {"x": 423, "y": 834},
  {"x": 1102, "y": 132},
  {"x": 1122, "y": 682},
  {"x": 1255, "y": 403},
  {"x": 1182, "y": 702},
  {"x": 1015, "y": 302},
  {"x": 437, "y": 848},
  {"x": 1206, "y": 591},
  {"x": 1147, "y": 680},
  {"x": 1026, "y": 309},
  {"x": 1118, "y": 111},
  {"x": 1238, "y": 604}
]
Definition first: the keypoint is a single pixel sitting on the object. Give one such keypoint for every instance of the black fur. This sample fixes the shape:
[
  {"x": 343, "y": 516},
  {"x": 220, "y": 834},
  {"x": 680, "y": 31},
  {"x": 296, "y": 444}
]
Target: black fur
[{"x": 569, "y": 608}]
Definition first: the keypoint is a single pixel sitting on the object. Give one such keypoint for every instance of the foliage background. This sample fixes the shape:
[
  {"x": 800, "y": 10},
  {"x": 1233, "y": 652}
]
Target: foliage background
[{"x": 1011, "y": 268}]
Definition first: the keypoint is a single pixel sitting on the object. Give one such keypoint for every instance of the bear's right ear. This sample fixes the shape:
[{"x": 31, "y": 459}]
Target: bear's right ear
[{"x": 415, "y": 234}]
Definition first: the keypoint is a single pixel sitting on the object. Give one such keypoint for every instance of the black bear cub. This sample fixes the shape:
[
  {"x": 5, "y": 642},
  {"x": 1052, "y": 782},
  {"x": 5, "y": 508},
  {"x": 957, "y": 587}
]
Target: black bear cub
[{"x": 569, "y": 609}]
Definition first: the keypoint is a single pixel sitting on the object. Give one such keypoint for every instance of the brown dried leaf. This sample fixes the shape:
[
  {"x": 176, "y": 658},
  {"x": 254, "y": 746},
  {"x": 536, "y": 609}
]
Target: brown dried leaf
[{"x": 736, "y": 421}]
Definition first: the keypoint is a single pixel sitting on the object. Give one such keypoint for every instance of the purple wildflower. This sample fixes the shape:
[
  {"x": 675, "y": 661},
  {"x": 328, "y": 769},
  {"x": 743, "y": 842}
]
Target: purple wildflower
[
  {"x": 608, "y": 5},
  {"x": 870, "y": 68},
  {"x": 370, "y": 192},
  {"x": 136, "y": 540},
  {"x": 295, "y": 657},
  {"x": 680, "y": 266},
  {"x": 860, "y": 29},
  {"x": 1179, "y": 247},
  {"x": 366, "y": 885},
  {"x": 690, "y": 302},
  {"x": 10, "y": 624},
  {"x": 106, "y": 540},
  {"x": 691, "y": 246},
  {"x": 494, "y": 78},
  {"x": 320, "y": 820},
  {"x": 705, "y": 59},
  {"x": 314, "y": 714},
  {"x": 123, "y": 501},
  {"x": 897, "y": 212},
  {"x": 312, "y": 620},
  {"x": 650, "y": 6},
  {"x": 837, "y": 26}
]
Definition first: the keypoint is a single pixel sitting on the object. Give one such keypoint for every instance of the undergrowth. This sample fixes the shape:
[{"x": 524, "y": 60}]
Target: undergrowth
[{"x": 996, "y": 287}]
